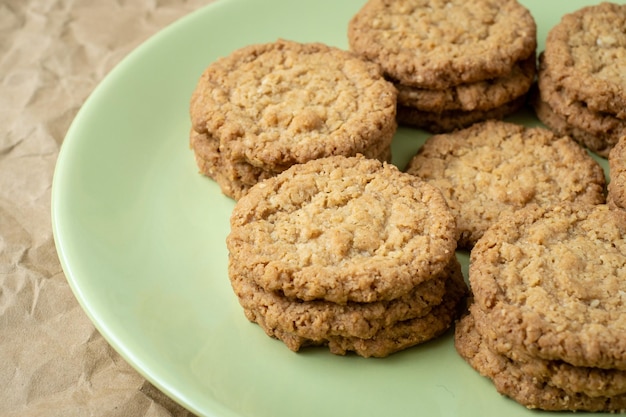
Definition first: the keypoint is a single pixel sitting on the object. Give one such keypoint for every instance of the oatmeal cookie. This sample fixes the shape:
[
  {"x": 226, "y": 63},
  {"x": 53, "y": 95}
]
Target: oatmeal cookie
[
  {"x": 449, "y": 121},
  {"x": 510, "y": 380},
  {"x": 497, "y": 167},
  {"x": 552, "y": 283},
  {"x": 469, "y": 97},
  {"x": 439, "y": 44},
  {"x": 341, "y": 229},
  {"x": 595, "y": 130},
  {"x": 387, "y": 340},
  {"x": 320, "y": 319},
  {"x": 574, "y": 380},
  {"x": 277, "y": 104},
  {"x": 597, "y": 143},
  {"x": 587, "y": 50}
]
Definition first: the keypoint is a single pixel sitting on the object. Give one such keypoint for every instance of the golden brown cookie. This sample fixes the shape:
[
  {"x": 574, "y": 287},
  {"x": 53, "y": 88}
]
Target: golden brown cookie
[
  {"x": 510, "y": 380},
  {"x": 341, "y": 229},
  {"x": 574, "y": 380},
  {"x": 494, "y": 167},
  {"x": 552, "y": 283},
  {"x": 451, "y": 120},
  {"x": 478, "y": 96},
  {"x": 559, "y": 125},
  {"x": 273, "y": 105},
  {"x": 587, "y": 50},
  {"x": 388, "y": 339},
  {"x": 439, "y": 44},
  {"x": 319, "y": 319},
  {"x": 594, "y": 130}
]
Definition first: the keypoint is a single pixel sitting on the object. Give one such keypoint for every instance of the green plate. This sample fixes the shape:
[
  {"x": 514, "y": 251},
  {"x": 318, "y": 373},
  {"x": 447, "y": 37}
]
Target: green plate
[{"x": 140, "y": 235}]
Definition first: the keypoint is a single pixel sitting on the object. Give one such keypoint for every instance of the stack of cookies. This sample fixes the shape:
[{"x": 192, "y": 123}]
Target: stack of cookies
[
  {"x": 455, "y": 62},
  {"x": 266, "y": 107},
  {"x": 495, "y": 167},
  {"x": 346, "y": 252},
  {"x": 582, "y": 88},
  {"x": 547, "y": 323}
]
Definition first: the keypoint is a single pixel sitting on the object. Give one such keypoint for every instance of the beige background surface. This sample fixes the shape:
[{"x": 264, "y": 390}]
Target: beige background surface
[{"x": 52, "y": 55}]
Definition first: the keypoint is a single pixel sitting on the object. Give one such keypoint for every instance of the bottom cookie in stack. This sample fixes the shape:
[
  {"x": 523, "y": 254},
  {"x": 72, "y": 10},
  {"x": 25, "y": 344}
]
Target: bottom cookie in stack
[
  {"x": 375, "y": 329},
  {"x": 546, "y": 385},
  {"x": 547, "y": 323},
  {"x": 457, "y": 107},
  {"x": 346, "y": 252}
]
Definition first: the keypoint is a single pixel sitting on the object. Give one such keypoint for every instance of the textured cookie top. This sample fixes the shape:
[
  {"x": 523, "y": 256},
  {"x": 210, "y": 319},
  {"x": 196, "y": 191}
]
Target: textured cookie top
[
  {"x": 587, "y": 49},
  {"x": 281, "y": 103},
  {"x": 552, "y": 282},
  {"x": 497, "y": 167},
  {"x": 442, "y": 43},
  {"x": 341, "y": 229}
]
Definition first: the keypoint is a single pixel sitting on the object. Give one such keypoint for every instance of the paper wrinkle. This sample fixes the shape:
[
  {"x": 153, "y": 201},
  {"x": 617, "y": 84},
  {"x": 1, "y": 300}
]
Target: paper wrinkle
[{"x": 53, "y": 53}]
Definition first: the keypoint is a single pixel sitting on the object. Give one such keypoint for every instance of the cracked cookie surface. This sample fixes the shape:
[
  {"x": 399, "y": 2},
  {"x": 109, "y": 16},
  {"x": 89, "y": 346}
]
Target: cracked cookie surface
[
  {"x": 497, "y": 167},
  {"x": 552, "y": 283},
  {"x": 277, "y": 104},
  {"x": 341, "y": 229},
  {"x": 438, "y": 44}
]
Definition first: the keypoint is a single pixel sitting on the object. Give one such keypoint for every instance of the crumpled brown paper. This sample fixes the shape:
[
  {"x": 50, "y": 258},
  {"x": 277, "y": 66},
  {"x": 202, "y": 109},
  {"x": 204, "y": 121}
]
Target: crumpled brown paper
[{"x": 53, "y": 53}]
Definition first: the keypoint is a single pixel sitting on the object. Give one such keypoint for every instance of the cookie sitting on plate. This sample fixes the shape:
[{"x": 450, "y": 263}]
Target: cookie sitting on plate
[
  {"x": 547, "y": 323},
  {"x": 454, "y": 63},
  {"x": 346, "y": 252},
  {"x": 266, "y": 107},
  {"x": 582, "y": 87},
  {"x": 497, "y": 167}
]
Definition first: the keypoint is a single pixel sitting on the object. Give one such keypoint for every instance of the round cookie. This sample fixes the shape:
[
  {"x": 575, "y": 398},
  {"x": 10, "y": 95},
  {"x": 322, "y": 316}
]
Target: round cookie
[
  {"x": 574, "y": 380},
  {"x": 277, "y": 104},
  {"x": 552, "y": 283},
  {"x": 477, "y": 96},
  {"x": 439, "y": 44},
  {"x": 616, "y": 196},
  {"x": 387, "y": 340},
  {"x": 511, "y": 381},
  {"x": 497, "y": 167},
  {"x": 341, "y": 229},
  {"x": 318, "y": 319},
  {"x": 597, "y": 131},
  {"x": 587, "y": 50}
]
